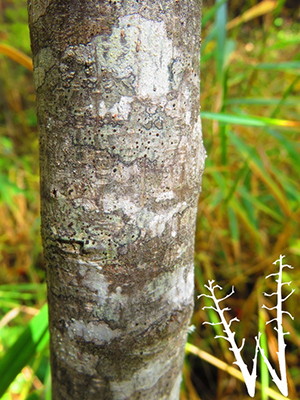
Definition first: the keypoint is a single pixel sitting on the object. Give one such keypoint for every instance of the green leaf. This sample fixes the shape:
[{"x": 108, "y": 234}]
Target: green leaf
[
  {"x": 258, "y": 168},
  {"x": 8, "y": 189},
  {"x": 284, "y": 43},
  {"x": 230, "y": 46},
  {"x": 24, "y": 287},
  {"x": 250, "y": 210},
  {"x": 36, "y": 395},
  {"x": 16, "y": 295},
  {"x": 291, "y": 101},
  {"x": 220, "y": 24},
  {"x": 279, "y": 6},
  {"x": 249, "y": 223},
  {"x": 285, "y": 95},
  {"x": 209, "y": 14},
  {"x": 25, "y": 291},
  {"x": 241, "y": 173},
  {"x": 233, "y": 225},
  {"x": 282, "y": 66},
  {"x": 264, "y": 345},
  {"x": 260, "y": 205},
  {"x": 48, "y": 388},
  {"x": 248, "y": 120},
  {"x": 289, "y": 147},
  {"x": 34, "y": 338}
]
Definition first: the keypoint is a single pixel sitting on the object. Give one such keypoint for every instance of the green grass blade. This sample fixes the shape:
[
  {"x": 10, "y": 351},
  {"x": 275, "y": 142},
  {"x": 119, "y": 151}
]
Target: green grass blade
[
  {"x": 289, "y": 147},
  {"x": 258, "y": 168},
  {"x": 234, "y": 232},
  {"x": 264, "y": 373},
  {"x": 250, "y": 210},
  {"x": 36, "y": 395},
  {"x": 17, "y": 295},
  {"x": 248, "y": 120},
  {"x": 230, "y": 47},
  {"x": 210, "y": 13},
  {"x": 33, "y": 339},
  {"x": 291, "y": 101},
  {"x": 291, "y": 188},
  {"x": 279, "y": 7},
  {"x": 286, "y": 93},
  {"x": 250, "y": 153},
  {"x": 208, "y": 38},
  {"x": 216, "y": 200},
  {"x": 233, "y": 225},
  {"x": 284, "y": 43},
  {"x": 223, "y": 144},
  {"x": 24, "y": 287},
  {"x": 21, "y": 292},
  {"x": 206, "y": 57},
  {"x": 48, "y": 387},
  {"x": 260, "y": 205},
  {"x": 221, "y": 33},
  {"x": 281, "y": 66},
  {"x": 251, "y": 228},
  {"x": 242, "y": 172},
  {"x": 221, "y": 183}
]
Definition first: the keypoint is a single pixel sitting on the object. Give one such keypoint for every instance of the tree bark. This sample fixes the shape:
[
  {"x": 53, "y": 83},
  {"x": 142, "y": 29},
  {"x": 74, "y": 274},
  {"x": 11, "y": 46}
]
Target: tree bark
[{"x": 121, "y": 160}]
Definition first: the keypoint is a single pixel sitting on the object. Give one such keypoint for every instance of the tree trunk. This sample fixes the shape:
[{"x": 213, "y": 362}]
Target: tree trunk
[{"x": 121, "y": 160}]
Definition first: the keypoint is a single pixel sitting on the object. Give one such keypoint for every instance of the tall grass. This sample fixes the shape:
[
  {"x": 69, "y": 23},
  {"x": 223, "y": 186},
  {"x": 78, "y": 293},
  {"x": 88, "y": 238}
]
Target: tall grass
[{"x": 248, "y": 210}]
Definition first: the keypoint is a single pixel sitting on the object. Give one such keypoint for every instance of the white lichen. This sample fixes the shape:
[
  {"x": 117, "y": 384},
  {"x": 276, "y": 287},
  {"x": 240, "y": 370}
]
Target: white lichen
[
  {"x": 121, "y": 110},
  {"x": 95, "y": 332},
  {"x": 141, "y": 48},
  {"x": 142, "y": 217},
  {"x": 143, "y": 379},
  {"x": 165, "y": 196}
]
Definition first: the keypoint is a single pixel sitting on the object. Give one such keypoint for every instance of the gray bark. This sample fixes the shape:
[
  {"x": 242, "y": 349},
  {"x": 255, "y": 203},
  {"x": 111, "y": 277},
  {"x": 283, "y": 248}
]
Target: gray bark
[{"x": 121, "y": 159}]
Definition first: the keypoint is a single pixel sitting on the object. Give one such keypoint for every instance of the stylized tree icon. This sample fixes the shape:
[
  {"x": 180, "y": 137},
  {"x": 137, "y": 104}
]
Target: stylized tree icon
[{"x": 250, "y": 377}]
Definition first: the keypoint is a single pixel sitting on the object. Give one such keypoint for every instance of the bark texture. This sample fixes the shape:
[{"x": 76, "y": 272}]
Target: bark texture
[{"x": 121, "y": 159}]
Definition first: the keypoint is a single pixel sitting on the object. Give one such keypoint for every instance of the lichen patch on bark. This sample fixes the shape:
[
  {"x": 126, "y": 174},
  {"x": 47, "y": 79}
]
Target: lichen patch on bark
[{"x": 139, "y": 50}]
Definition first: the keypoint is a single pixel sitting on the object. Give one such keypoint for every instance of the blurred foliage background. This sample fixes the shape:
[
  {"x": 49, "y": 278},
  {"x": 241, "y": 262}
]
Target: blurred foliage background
[{"x": 248, "y": 210}]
